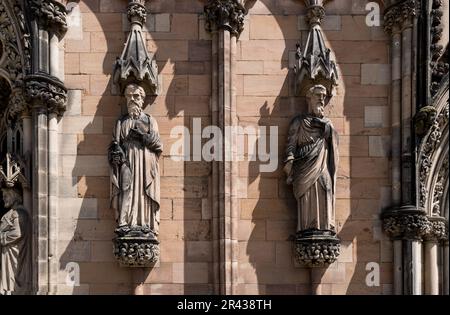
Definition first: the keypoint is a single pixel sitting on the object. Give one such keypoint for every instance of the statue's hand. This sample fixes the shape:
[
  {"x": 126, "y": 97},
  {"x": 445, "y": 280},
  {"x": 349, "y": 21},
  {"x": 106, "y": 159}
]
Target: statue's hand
[{"x": 288, "y": 167}]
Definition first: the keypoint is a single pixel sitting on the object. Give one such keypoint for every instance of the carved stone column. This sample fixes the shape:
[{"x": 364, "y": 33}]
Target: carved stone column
[
  {"x": 401, "y": 23},
  {"x": 47, "y": 97},
  {"x": 225, "y": 20}
]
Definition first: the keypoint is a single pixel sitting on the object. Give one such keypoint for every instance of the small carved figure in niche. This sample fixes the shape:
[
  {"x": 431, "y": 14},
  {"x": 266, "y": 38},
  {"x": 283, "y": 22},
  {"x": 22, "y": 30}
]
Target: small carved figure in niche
[
  {"x": 15, "y": 275},
  {"x": 133, "y": 156},
  {"x": 311, "y": 164}
]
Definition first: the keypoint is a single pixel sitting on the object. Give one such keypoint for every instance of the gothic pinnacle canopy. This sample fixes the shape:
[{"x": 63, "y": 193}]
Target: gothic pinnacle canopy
[
  {"x": 136, "y": 64},
  {"x": 314, "y": 64}
]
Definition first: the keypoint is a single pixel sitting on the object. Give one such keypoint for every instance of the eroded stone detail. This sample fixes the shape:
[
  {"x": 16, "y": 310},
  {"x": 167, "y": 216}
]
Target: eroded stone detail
[
  {"x": 225, "y": 14},
  {"x": 405, "y": 223},
  {"x": 412, "y": 224},
  {"x": 314, "y": 248},
  {"x": 426, "y": 153},
  {"x": 136, "y": 247},
  {"x": 46, "y": 93},
  {"x": 136, "y": 11},
  {"x": 398, "y": 14},
  {"x": 51, "y": 14}
]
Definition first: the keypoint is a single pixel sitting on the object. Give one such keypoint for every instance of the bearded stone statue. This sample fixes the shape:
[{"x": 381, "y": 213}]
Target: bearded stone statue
[
  {"x": 15, "y": 239},
  {"x": 135, "y": 178},
  {"x": 311, "y": 164}
]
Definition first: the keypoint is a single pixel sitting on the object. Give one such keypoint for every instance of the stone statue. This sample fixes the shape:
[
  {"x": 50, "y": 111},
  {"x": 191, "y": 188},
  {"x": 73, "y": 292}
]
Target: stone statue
[
  {"x": 15, "y": 275},
  {"x": 311, "y": 164},
  {"x": 133, "y": 156}
]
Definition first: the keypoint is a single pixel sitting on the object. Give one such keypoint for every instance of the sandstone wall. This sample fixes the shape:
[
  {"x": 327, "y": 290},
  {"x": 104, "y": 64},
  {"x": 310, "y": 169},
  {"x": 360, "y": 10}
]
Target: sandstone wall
[{"x": 265, "y": 97}]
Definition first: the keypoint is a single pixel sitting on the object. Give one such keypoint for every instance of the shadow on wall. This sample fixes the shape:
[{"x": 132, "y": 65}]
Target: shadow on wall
[{"x": 185, "y": 68}]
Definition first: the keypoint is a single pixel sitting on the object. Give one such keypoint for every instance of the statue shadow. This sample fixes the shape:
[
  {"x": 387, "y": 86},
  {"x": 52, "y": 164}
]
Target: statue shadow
[{"x": 185, "y": 230}]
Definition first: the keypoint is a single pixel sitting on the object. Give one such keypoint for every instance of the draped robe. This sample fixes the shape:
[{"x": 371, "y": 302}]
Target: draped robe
[
  {"x": 315, "y": 158},
  {"x": 15, "y": 275},
  {"x": 136, "y": 183}
]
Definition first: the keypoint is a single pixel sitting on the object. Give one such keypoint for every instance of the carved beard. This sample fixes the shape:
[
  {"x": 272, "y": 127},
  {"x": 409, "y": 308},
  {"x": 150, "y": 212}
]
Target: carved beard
[{"x": 134, "y": 110}]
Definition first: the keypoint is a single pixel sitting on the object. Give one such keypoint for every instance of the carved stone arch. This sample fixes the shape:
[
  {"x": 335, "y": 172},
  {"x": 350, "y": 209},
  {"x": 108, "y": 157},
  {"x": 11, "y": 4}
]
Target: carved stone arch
[
  {"x": 15, "y": 57},
  {"x": 432, "y": 160}
]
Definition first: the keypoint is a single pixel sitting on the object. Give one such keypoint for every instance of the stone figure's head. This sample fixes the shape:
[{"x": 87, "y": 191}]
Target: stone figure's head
[
  {"x": 315, "y": 98},
  {"x": 11, "y": 197},
  {"x": 135, "y": 96}
]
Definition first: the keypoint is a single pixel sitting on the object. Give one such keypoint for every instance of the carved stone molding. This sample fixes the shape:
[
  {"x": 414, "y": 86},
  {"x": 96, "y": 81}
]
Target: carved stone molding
[
  {"x": 439, "y": 69},
  {"x": 51, "y": 15},
  {"x": 46, "y": 93},
  {"x": 427, "y": 154},
  {"x": 225, "y": 15},
  {"x": 15, "y": 43},
  {"x": 400, "y": 14},
  {"x": 316, "y": 248},
  {"x": 136, "y": 248}
]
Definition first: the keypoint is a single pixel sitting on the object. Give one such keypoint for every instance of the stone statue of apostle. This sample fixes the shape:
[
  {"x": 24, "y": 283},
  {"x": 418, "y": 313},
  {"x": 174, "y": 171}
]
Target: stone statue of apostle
[
  {"x": 15, "y": 275},
  {"x": 133, "y": 156},
  {"x": 311, "y": 164}
]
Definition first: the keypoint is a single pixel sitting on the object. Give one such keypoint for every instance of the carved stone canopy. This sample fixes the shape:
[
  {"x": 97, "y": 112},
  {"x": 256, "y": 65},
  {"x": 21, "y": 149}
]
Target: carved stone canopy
[
  {"x": 136, "y": 64},
  {"x": 11, "y": 172},
  {"x": 314, "y": 64}
]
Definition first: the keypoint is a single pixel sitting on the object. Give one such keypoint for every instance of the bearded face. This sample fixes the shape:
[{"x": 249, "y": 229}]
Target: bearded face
[
  {"x": 10, "y": 198},
  {"x": 135, "y": 99},
  {"x": 317, "y": 102}
]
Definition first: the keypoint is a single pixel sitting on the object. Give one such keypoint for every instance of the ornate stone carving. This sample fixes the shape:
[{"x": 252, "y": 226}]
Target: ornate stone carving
[
  {"x": 137, "y": 248},
  {"x": 15, "y": 275},
  {"x": 135, "y": 182},
  {"x": 409, "y": 223},
  {"x": 136, "y": 11},
  {"x": 51, "y": 14},
  {"x": 11, "y": 172},
  {"x": 424, "y": 120},
  {"x": 311, "y": 166},
  {"x": 12, "y": 61},
  {"x": 46, "y": 93},
  {"x": 317, "y": 248},
  {"x": 400, "y": 13},
  {"x": 427, "y": 158},
  {"x": 314, "y": 65},
  {"x": 441, "y": 181},
  {"x": 405, "y": 222},
  {"x": 438, "y": 229},
  {"x": 225, "y": 14},
  {"x": 439, "y": 69},
  {"x": 136, "y": 64}
]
